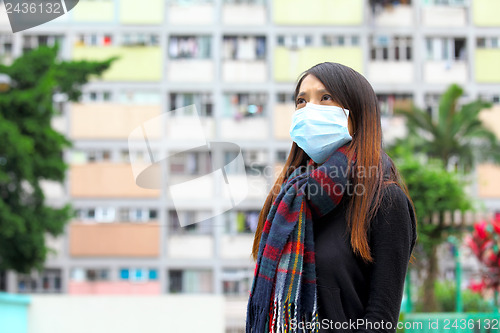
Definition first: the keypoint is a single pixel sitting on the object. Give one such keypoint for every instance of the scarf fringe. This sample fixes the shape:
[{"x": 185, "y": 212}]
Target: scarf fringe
[{"x": 281, "y": 314}]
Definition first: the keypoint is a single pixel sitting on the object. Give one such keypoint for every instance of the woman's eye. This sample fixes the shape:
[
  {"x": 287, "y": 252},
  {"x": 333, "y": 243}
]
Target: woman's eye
[
  {"x": 300, "y": 101},
  {"x": 327, "y": 97}
]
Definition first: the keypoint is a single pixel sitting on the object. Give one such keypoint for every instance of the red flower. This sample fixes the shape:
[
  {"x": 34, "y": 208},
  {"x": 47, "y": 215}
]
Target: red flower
[
  {"x": 480, "y": 229},
  {"x": 476, "y": 286},
  {"x": 496, "y": 225}
]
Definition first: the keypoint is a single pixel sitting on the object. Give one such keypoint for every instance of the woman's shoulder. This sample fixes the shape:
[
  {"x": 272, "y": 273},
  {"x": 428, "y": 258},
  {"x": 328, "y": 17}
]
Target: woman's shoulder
[
  {"x": 393, "y": 196},
  {"x": 395, "y": 209}
]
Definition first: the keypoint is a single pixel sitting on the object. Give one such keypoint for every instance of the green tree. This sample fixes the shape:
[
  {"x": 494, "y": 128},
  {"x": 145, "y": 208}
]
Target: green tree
[
  {"x": 31, "y": 151},
  {"x": 433, "y": 190},
  {"x": 456, "y": 135}
]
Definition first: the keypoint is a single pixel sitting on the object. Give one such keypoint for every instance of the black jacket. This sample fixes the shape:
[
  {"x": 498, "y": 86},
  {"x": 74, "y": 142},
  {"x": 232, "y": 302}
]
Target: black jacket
[{"x": 348, "y": 288}]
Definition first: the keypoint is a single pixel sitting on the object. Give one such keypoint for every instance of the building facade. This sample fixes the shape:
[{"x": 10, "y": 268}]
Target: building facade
[{"x": 237, "y": 61}]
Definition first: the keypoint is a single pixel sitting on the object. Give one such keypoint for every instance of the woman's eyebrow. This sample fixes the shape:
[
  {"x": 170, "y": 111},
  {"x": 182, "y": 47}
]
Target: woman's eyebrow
[
  {"x": 302, "y": 93},
  {"x": 323, "y": 91}
]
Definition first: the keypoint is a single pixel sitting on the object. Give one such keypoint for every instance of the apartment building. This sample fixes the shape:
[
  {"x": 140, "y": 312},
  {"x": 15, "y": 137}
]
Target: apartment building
[{"x": 236, "y": 61}]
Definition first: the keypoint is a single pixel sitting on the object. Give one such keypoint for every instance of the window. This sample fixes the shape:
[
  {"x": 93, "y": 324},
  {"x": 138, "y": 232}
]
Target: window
[
  {"x": 236, "y": 282},
  {"x": 246, "y": 2},
  {"x": 89, "y": 274},
  {"x": 190, "y": 163},
  {"x": 3, "y": 281},
  {"x": 283, "y": 98},
  {"x": 6, "y": 48},
  {"x": 190, "y": 281},
  {"x": 388, "y": 103},
  {"x": 438, "y": 48},
  {"x": 294, "y": 41},
  {"x": 90, "y": 156},
  {"x": 391, "y": 48},
  {"x": 138, "y": 274},
  {"x": 49, "y": 281},
  {"x": 202, "y": 101},
  {"x": 281, "y": 156},
  {"x": 104, "y": 214},
  {"x": 31, "y": 42},
  {"x": 488, "y": 42},
  {"x": 340, "y": 40},
  {"x": 140, "y": 39},
  {"x": 96, "y": 96},
  {"x": 101, "y": 39},
  {"x": 458, "y": 3},
  {"x": 242, "y": 105},
  {"x": 244, "y": 47},
  {"x": 241, "y": 222},
  {"x": 189, "y": 47},
  {"x": 139, "y": 97},
  {"x": 255, "y": 162},
  {"x": 85, "y": 214},
  {"x": 491, "y": 97},
  {"x": 189, "y": 222}
]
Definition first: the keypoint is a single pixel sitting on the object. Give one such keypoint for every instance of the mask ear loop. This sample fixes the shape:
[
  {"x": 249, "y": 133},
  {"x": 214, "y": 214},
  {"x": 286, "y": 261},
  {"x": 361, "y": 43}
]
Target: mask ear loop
[{"x": 348, "y": 119}]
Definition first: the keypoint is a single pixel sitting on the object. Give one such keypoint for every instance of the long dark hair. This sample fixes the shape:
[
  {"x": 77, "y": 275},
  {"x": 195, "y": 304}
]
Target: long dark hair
[{"x": 353, "y": 92}]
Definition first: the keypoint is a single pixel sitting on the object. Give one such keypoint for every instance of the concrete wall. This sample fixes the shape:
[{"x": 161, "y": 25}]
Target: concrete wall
[
  {"x": 126, "y": 314},
  {"x": 105, "y": 180},
  {"x": 319, "y": 12},
  {"x": 112, "y": 121},
  {"x": 114, "y": 239}
]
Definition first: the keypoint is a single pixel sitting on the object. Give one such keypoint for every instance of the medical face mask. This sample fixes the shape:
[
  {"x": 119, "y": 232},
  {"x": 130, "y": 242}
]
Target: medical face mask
[{"x": 320, "y": 130}]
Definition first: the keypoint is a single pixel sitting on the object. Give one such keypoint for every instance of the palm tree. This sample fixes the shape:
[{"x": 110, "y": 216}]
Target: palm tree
[
  {"x": 455, "y": 133},
  {"x": 457, "y": 136}
]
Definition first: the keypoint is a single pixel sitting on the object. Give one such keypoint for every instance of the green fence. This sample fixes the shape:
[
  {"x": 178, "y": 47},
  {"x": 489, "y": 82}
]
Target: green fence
[{"x": 449, "y": 322}]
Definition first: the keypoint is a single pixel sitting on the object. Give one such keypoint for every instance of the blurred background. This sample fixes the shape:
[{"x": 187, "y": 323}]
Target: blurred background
[{"x": 237, "y": 61}]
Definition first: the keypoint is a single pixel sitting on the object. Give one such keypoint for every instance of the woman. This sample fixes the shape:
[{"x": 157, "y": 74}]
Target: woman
[{"x": 337, "y": 230}]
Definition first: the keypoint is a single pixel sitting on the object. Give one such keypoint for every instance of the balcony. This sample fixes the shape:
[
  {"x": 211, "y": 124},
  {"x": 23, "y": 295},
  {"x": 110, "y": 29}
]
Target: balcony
[
  {"x": 390, "y": 72},
  {"x": 190, "y": 70},
  {"x": 392, "y": 15},
  {"x": 190, "y": 13},
  {"x": 179, "y": 128},
  {"x": 114, "y": 239},
  {"x": 190, "y": 246},
  {"x": 289, "y": 63},
  {"x": 251, "y": 71},
  {"x": 445, "y": 72},
  {"x": 244, "y": 14},
  {"x": 106, "y": 180},
  {"x": 319, "y": 12},
  {"x": 236, "y": 246},
  {"x": 444, "y": 16},
  {"x": 112, "y": 121},
  {"x": 252, "y": 128},
  {"x": 113, "y": 288},
  {"x": 283, "y": 114},
  {"x": 136, "y": 63}
]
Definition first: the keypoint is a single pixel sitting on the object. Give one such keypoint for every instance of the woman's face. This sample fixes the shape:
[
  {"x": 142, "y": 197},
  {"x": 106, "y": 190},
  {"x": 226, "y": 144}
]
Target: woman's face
[{"x": 313, "y": 91}]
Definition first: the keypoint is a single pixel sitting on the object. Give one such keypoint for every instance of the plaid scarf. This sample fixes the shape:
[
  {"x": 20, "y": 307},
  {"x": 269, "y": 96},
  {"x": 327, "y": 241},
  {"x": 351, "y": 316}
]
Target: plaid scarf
[{"x": 283, "y": 292}]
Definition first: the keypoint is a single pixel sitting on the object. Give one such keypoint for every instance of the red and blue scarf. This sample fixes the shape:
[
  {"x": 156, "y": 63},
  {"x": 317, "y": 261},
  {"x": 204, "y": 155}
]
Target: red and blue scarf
[{"x": 283, "y": 292}]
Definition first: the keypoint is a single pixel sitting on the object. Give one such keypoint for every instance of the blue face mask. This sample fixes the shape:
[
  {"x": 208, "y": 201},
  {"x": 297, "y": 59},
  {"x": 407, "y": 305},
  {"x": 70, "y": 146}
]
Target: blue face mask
[{"x": 320, "y": 130}]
